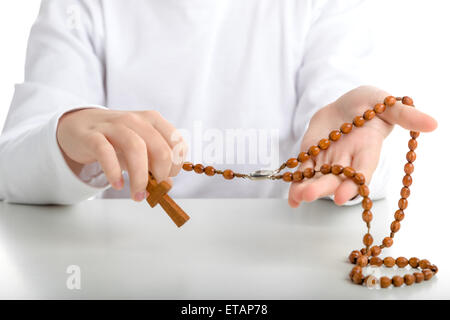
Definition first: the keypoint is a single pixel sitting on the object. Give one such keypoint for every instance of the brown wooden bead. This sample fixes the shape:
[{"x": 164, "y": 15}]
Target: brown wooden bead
[
  {"x": 401, "y": 262},
  {"x": 407, "y": 101},
  {"x": 355, "y": 270},
  {"x": 287, "y": 176},
  {"x": 369, "y": 115},
  {"x": 411, "y": 156},
  {"x": 228, "y": 174},
  {"x": 405, "y": 192},
  {"x": 363, "y": 251},
  {"x": 314, "y": 151},
  {"x": 414, "y": 134},
  {"x": 292, "y": 163},
  {"x": 210, "y": 171},
  {"x": 337, "y": 169},
  {"x": 324, "y": 144},
  {"x": 376, "y": 261},
  {"x": 379, "y": 108},
  {"x": 346, "y": 128},
  {"x": 409, "y": 168},
  {"x": 309, "y": 173},
  {"x": 303, "y": 157},
  {"x": 407, "y": 180},
  {"x": 390, "y": 101},
  {"x": 325, "y": 169},
  {"x": 427, "y": 274},
  {"x": 412, "y": 144},
  {"x": 402, "y": 203},
  {"x": 409, "y": 279},
  {"x": 434, "y": 268},
  {"x": 335, "y": 135},
  {"x": 349, "y": 172},
  {"x": 359, "y": 178},
  {"x": 198, "y": 168},
  {"x": 354, "y": 255},
  {"x": 358, "y": 121},
  {"x": 362, "y": 261},
  {"x": 357, "y": 278},
  {"x": 424, "y": 264},
  {"x": 395, "y": 226},
  {"x": 297, "y": 176},
  {"x": 399, "y": 215},
  {"x": 414, "y": 262},
  {"x": 368, "y": 240},
  {"x": 387, "y": 242},
  {"x": 367, "y": 216},
  {"x": 187, "y": 166},
  {"x": 389, "y": 262},
  {"x": 419, "y": 277},
  {"x": 397, "y": 281},
  {"x": 385, "y": 282},
  {"x": 363, "y": 190},
  {"x": 375, "y": 250},
  {"x": 367, "y": 203}
]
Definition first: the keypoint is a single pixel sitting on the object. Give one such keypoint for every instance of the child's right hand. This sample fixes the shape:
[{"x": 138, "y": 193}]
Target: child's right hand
[{"x": 135, "y": 141}]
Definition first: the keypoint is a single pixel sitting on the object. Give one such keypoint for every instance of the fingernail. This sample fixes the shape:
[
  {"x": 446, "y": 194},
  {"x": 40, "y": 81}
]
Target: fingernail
[
  {"x": 139, "y": 196},
  {"x": 118, "y": 184}
]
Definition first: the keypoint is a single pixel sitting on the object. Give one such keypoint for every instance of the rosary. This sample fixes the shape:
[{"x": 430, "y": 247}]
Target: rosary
[{"x": 369, "y": 255}]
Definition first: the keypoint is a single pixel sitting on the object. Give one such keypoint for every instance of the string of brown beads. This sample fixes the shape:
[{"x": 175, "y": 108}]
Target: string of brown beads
[{"x": 369, "y": 255}]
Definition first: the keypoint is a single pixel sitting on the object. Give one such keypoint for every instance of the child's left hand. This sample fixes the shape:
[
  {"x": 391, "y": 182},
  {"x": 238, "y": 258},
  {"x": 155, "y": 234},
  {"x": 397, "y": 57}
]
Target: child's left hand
[{"x": 360, "y": 149}]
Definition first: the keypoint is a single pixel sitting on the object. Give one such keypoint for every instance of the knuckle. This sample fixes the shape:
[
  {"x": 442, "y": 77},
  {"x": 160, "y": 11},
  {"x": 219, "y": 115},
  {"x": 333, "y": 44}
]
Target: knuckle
[{"x": 137, "y": 144}]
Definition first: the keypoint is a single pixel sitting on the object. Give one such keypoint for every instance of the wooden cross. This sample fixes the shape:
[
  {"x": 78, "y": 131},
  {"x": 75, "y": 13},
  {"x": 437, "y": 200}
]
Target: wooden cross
[{"x": 158, "y": 194}]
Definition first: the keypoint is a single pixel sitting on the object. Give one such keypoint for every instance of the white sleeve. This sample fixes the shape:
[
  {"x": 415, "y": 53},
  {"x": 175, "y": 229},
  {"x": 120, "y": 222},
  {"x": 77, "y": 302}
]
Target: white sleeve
[
  {"x": 63, "y": 71},
  {"x": 337, "y": 59}
]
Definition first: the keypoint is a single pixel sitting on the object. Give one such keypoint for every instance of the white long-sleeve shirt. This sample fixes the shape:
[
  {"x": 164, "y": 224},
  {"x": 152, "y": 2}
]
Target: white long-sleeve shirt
[{"x": 211, "y": 68}]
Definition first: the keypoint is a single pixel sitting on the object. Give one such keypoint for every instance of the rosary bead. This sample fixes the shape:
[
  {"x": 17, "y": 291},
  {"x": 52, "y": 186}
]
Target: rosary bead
[
  {"x": 399, "y": 215},
  {"x": 397, "y": 281},
  {"x": 414, "y": 262},
  {"x": 337, "y": 169},
  {"x": 405, "y": 192},
  {"x": 401, "y": 262},
  {"x": 355, "y": 270},
  {"x": 346, "y": 128},
  {"x": 427, "y": 274},
  {"x": 411, "y": 156},
  {"x": 314, "y": 151},
  {"x": 358, "y": 121},
  {"x": 354, "y": 255},
  {"x": 359, "y": 178},
  {"x": 349, "y": 172},
  {"x": 210, "y": 171},
  {"x": 292, "y": 163},
  {"x": 407, "y": 180},
  {"x": 324, "y": 144},
  {"x": 409, "y": 168},
  {"x": 297, "y": 176},
  {"x": 335, "y": 135},
  {"x": 303, "y": 157},
  {"x": 389, "y": 262},
  {"x": 367, "y": 240},
  {"x": 187, "y": 166},
  {"x": 379, "y": 108},
  {"x": 395, "y": 226},
  {"x": 364, "y": 251},
  {"x": 414, "y": 134},
  {"x": 375, "y": 250},
  {"x": 409, "y": 279},
  {"x": 407, "y": 101},
  {"x": 387, "y": 242},
  {"x": 385, "y": 282},
  {"x": 357, "y": 278},
  {"x": 412, "y": 144},
  {"x": 434, "y": 268},
  {"x": 419, "y": 277},
  {"x": 402, "y": 203},
  {"x": 367, "y": 203},
  {"x": 325, "y": 169},
  {"x": 309, "y": 173},
  {"x": 376, "y": 261},
  {"x": 198, "y": 168},
  {"x": 228, "y": 174},
  {"x": 362, "y": 261},
  {"x": 369, "y": 115},
  {"x": 390, "y": 101},
  {"x": 287, "y": 176},
  {"x": 367, "y": 216},
  {"x": 424, "y": 264},
  {"x": 363, "y": 190}
]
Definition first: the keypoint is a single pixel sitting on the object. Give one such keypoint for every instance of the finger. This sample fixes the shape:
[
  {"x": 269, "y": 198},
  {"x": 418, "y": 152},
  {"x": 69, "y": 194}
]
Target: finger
[
  {"x": 134, "y": 150},
  {"x": 409, "y": 118},
  {"x": 106, "y": 155},
  {"x": 317, "y": 188}
]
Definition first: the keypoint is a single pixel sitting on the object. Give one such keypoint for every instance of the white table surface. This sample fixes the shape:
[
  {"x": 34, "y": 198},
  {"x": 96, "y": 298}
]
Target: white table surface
[{"x": 230, "y": 249}]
